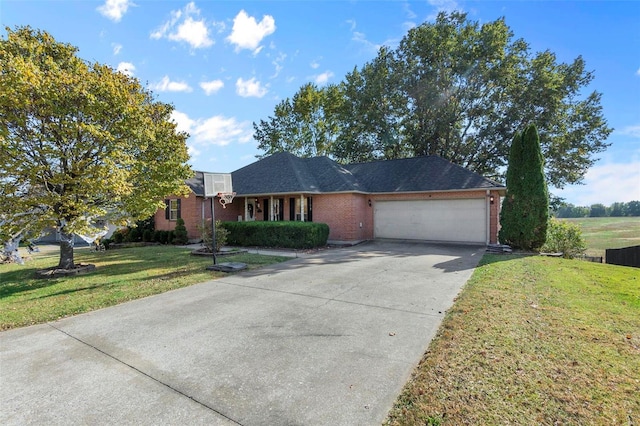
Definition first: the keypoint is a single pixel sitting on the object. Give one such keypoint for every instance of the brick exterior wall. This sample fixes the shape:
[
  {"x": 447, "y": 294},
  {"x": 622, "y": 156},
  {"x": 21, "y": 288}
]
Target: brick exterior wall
[
  {"x": 349, "y": 216},
  {"x": 193, "y": 209}
]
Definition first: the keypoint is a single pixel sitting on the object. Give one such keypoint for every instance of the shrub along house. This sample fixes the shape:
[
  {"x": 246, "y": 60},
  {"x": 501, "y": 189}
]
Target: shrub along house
[{"x": 422, "y": 198}]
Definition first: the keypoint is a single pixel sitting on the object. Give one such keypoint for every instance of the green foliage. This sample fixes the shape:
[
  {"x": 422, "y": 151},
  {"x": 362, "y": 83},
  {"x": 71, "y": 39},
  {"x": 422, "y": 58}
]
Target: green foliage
[
  {"x": 305, "y": 125},
  {"x": 119, "y": 235},
  {"x": 161, "y": 236},
  {"x": 134, "y": 235},
  {"x": 598, "y": 210},
  {"x": 632, "y": 208},
  {"x": 180, "y": 233},
  {"x": 569, "y": 210},
  {"x": 278, "y": 234},
  {"x": 80, "y": 141},
  {"x": 454, "y": 88},
  {"x": 147, "y": 235},
  {"x": 221, "y": 235},
  {"x": 564, "y": 237},
  {"x": 618, "y": 209},
  {"x": 525, "y": 211}
]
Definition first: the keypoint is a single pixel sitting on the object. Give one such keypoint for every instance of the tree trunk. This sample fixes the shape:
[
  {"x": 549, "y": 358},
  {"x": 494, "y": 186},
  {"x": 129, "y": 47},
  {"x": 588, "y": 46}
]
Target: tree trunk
[{"x": 66, "y": 250}]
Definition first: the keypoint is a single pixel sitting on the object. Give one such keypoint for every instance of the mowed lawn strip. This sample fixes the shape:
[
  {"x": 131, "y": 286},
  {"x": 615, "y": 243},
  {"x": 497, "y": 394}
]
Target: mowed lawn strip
[
  {"x": 601, "y": 233},
  {"x": 533, "y": 340},
  {"x": 121, "y": 275}
]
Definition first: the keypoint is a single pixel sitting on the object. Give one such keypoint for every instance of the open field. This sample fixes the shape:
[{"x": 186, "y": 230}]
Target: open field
[
  {"x": 533, "y": 340},
  {"x": 121, "y": 275},
  {"x": 602, "y": 233}
]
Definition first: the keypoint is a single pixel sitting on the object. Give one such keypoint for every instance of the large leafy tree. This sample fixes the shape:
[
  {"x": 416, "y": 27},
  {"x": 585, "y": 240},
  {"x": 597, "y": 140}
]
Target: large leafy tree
[
  {"x": 460, "y": 90},
  {"x": 305, "y": 125},
  {"x": 80, "y": 143},
  {"x": 370, "y": 115},
  {"x": 525, "y": 212}
]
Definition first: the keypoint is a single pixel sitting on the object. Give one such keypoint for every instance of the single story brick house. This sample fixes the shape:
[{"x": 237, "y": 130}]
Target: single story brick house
[{"x": 422, "y": 198}]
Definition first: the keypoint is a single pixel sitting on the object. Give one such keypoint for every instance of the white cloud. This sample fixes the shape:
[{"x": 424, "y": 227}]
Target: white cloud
[
  {"x": 323, "y": 78},
  {"x": 193, "y": 32},
  {"x": 633, "y": 131},
  {"x": 212, "y": 86},
  {"x": 116, "y": 48},
  {"x": 406, "y": 26},
  {"x": 247, "y": 33},
  {"x": 114, "y": 9},
  {"x": 361, "y": 38},
  {"x": 182, "y": 120},
  {"x": 277, "y": 63},
  {"x": 638, "y": 72},
  {"x": 407, "y": 10},
  {"x": 183, "y": 27},
  {"x": 193, "y": 151},
  {"x": 442, "y": 6},
  {"x": 606, "y": 184},
  {"x": 166, "y": 85},
  {"x": 126, "y": 68},
  {"x": 217, "y": 130},
  {"x": 314, "y": 64},
  {"x": 250, "y": 88}
]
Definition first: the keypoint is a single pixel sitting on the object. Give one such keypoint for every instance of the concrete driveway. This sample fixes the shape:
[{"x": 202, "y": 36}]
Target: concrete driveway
[{"x": 327, "y": 339}]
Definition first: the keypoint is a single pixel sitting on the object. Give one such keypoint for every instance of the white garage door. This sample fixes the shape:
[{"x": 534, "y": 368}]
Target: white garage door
[{"x": 435, "y": 220}]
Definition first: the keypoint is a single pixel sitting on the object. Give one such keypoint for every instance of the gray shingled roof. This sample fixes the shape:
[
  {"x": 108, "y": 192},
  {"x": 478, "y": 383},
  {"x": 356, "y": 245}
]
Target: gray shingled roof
[
  {"x": 196, "y": 183},
  {"x": 284, "y": 173},
  {"x": 418, "y": 174}
]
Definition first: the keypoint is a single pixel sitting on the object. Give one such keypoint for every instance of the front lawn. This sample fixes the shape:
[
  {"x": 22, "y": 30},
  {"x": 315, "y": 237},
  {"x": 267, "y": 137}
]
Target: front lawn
[
  {"x": 121, "y": 275},
  {"x": 533, "y": 340}
]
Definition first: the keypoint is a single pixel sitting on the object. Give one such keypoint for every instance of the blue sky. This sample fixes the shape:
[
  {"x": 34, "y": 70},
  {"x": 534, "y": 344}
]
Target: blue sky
[{"x": 226, "y": 64}]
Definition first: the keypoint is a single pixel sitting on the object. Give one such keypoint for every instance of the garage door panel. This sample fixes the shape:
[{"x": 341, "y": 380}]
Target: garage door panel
[{"x": 461, "y": 220}]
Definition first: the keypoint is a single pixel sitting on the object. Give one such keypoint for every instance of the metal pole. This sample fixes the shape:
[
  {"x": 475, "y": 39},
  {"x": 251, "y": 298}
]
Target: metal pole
[{"x": 213, "y": 231}]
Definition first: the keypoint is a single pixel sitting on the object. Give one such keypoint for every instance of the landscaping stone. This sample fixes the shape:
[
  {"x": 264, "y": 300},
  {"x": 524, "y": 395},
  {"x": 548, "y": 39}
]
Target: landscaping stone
[{"x": 228, "y": 267}]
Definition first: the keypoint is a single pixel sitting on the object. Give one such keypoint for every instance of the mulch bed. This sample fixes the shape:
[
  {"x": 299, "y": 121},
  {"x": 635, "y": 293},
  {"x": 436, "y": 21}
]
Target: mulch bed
[
  {"x": 205, "y": 252},
  {"x": 55, "y": 272}
]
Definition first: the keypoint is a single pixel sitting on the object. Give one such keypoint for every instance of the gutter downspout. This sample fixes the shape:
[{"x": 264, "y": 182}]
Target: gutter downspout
[{"x": 488, "y": 203}]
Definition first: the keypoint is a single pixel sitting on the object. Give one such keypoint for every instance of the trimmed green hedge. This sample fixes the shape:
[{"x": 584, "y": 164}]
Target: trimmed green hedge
[{"x": 277, "y": 234}]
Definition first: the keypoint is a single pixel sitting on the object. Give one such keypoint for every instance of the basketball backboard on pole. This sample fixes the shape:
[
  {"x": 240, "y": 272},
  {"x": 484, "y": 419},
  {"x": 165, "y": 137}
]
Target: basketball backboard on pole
[
  {"x": 216, "y": 183},
  {"x": 219, "y": 185}
]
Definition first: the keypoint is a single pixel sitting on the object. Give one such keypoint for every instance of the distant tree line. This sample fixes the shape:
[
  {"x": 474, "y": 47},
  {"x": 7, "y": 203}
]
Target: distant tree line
[{"x": 565, "y": 210}]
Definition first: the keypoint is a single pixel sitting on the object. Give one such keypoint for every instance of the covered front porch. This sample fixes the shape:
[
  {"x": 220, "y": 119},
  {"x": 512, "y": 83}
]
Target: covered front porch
[{"x": 269, "y": 207}]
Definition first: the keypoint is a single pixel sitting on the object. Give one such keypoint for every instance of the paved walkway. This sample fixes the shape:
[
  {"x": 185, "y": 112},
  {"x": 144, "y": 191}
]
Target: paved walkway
[{"x": 326, "y": 339}]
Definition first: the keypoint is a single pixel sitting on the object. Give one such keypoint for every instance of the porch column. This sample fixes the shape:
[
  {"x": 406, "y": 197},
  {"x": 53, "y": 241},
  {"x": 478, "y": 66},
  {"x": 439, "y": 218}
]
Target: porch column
[
  {"x": 302, "y": 207},
  {"x": 246, "y": 209},
  {"x": 271, "y": 208}
]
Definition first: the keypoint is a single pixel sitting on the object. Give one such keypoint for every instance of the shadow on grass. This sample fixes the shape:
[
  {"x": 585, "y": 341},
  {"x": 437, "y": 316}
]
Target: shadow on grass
[{"x": 23, "y": 280}]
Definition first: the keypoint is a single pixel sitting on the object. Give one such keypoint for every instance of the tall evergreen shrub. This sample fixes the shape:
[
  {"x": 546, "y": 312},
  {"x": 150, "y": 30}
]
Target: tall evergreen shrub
[{"x": 525, "y": 212}]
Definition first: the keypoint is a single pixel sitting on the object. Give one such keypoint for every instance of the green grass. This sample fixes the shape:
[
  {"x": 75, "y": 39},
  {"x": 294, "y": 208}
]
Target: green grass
[
  {"x": 602, "y": 233},
  {"x": 121, "y": 275},
  {"x": 533, "y": 340}
]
